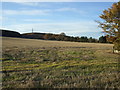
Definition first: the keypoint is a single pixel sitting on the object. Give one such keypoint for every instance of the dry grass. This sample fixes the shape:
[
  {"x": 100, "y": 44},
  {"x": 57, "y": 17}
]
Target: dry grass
[
  {"x": 34, "y": 43},
  {"x": 56, "y": 64}
]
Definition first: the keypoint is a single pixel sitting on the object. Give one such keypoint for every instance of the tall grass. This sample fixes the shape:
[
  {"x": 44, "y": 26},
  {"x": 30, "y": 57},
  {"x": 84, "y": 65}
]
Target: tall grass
[{"x": 60, "y": 67}]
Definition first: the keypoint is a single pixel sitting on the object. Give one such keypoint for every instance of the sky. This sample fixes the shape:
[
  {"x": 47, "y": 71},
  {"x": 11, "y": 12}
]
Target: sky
[{"x": 72, "y": 18}]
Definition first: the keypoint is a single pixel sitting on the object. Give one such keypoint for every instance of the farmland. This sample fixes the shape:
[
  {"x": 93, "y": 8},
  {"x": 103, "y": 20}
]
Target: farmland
[{"x": 32, "y": 63}]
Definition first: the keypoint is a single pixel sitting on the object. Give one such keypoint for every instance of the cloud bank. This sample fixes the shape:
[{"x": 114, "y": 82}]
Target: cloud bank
[
  {"x": 60, "y": 0},
  {"x": 69, "y": 28}
]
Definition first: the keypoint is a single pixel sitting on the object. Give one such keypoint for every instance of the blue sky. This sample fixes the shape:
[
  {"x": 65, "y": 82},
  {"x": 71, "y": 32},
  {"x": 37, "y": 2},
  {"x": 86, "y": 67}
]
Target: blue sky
[{"x": 73, "y": 18}]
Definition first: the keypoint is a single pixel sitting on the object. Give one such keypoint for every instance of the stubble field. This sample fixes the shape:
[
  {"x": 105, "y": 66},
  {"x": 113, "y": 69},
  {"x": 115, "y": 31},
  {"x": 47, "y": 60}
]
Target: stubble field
[{"x": 30, "y": 63}]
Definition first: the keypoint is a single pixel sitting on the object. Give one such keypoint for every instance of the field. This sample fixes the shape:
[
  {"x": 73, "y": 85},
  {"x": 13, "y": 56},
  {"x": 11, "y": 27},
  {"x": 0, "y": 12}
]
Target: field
[{"x": 29, "y": 63}]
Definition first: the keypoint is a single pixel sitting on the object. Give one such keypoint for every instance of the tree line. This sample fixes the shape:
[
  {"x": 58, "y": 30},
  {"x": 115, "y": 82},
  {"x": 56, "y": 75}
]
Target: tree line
[
  {"x": 50, "y": 36},
  {"x": 63, "y": 37}
]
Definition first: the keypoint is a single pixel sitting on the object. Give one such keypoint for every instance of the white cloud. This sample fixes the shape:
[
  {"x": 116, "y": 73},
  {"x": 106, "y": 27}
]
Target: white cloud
[
  {"x": 26, "y": 12},
  {"x": 1, "y": 21},
  {"x": 1, "y": 18},
  {"x": 41, "y": 11},
  {"x": 60, "y": 0},
  {"x": 38, "y": 4},
  {"x": 34, "y": 20},
  {"x": 68, "y": 28},
  {"x": 28, "y": 3},
  {"x": 66, "y": 9},
  {"x": 71, "y": 10}
]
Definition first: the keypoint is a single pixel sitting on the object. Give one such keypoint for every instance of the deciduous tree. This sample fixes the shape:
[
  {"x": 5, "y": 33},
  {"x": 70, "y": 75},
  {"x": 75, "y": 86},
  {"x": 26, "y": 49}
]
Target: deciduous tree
[{"x": 111, "y": 24}]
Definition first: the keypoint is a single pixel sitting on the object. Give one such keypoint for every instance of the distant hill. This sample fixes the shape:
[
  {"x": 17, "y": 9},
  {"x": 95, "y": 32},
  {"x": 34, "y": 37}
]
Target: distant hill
[
  {"x": 8, "y": 33},
  {"x": 47, "y": 36},
  {"x": 33, "y": 35}
]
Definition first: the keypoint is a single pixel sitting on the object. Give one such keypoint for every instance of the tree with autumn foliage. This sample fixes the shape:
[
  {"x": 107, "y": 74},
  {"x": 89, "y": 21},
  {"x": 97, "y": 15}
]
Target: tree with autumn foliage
[{"x": 111, "y": 24}]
